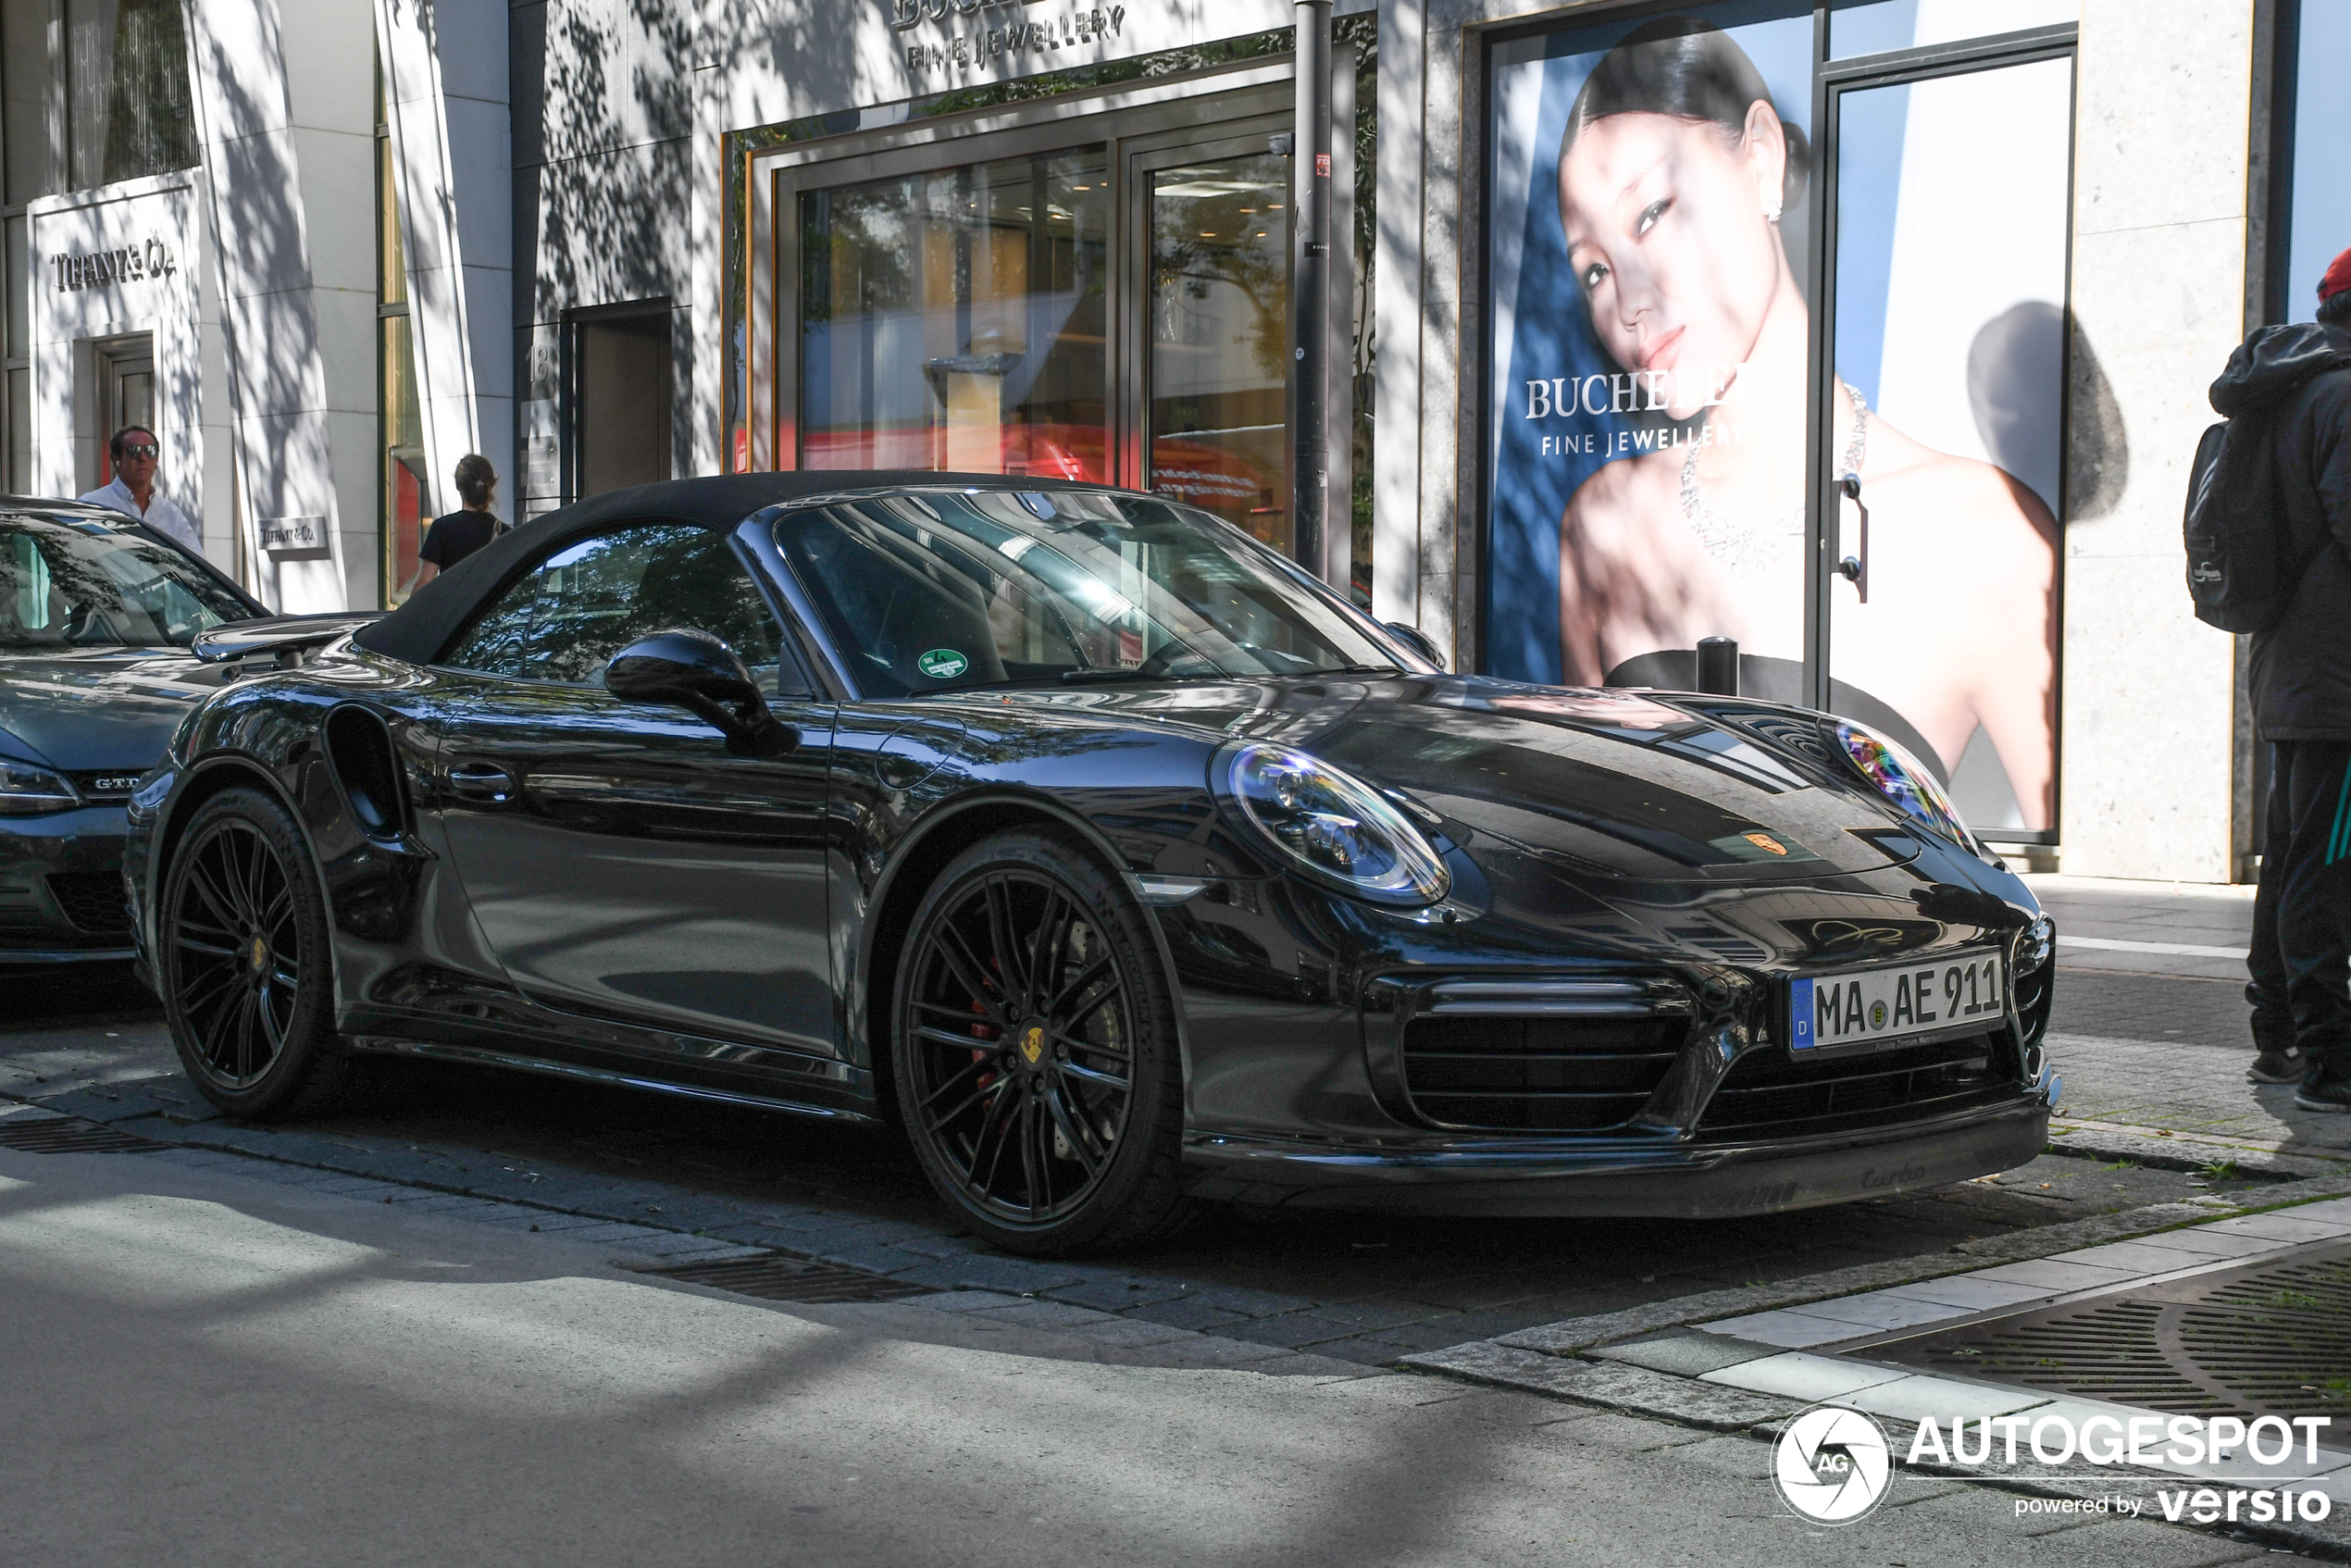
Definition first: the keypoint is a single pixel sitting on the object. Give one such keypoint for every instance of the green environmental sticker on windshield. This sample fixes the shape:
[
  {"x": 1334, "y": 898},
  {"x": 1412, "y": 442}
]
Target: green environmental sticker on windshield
[{"x": 943, "y": 664}]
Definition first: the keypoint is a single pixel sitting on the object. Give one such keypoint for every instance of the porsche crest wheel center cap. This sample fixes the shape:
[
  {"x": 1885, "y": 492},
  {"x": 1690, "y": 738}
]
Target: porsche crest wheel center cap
[
  {"x": 258, "y": 953},
  {"x": 1032, "y": 1044}
]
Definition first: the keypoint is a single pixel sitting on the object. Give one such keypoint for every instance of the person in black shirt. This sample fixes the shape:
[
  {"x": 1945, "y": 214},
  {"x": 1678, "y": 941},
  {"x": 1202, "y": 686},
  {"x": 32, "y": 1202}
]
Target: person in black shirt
[{"x": 459, "y": 534}]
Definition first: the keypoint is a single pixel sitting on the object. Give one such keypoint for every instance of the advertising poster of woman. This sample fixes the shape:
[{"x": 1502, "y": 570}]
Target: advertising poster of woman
[{"x": 1651, "y": 390}]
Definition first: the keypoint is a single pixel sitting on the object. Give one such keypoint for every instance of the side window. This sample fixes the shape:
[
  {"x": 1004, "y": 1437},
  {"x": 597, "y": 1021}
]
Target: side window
[{"x": 565, "y": 618}]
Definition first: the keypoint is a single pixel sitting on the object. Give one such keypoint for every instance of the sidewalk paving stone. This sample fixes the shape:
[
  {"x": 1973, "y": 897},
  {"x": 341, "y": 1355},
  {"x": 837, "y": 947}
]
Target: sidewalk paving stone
[
  {"x": 1187, "y": 1313},
  {"x": 1047, "y": 1314},
  {"x": 1799, "y": 1375},
  {"x": 1117, "y": 1295}
]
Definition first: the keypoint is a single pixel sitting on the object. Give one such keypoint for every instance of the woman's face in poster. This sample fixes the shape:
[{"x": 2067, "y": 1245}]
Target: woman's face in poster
[{"x": 1667, "y": 230}]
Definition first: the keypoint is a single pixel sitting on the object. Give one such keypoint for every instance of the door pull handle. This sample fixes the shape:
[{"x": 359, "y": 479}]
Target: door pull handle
[{"x": 482, "y": 781}]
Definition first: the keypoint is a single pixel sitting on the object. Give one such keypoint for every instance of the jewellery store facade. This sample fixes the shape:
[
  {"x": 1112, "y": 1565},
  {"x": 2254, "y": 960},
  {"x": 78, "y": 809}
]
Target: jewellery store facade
[
  {"x": 1873, "y": 336},
  {"x": 1048, "y": 238}
]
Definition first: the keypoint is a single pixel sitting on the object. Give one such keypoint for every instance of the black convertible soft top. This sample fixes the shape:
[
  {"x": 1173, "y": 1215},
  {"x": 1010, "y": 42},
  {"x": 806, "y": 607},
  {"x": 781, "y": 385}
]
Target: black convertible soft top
[{"x": 420, "y": 629}]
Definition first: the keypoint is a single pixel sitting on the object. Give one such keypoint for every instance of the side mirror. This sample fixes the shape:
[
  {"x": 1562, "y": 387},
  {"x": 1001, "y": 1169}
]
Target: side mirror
[
  {"x": 695, "y": 671},
  {"x": 1419, "y": 642}
]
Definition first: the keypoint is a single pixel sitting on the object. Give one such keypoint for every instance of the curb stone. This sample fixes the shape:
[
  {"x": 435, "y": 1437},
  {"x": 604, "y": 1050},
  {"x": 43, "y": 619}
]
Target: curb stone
[
  {"x": 2182, "y": 1154},
  {"x": 1574, "y": 1333}
]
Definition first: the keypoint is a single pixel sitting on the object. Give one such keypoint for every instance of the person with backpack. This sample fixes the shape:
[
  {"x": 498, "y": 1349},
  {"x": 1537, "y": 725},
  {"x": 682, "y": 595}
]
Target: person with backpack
[{"x": 2268, "y": 533}]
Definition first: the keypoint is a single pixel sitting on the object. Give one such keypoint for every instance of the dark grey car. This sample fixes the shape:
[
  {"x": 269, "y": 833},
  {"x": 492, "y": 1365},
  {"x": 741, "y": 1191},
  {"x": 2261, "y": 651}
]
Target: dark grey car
[{"x": 96, "y": 612}]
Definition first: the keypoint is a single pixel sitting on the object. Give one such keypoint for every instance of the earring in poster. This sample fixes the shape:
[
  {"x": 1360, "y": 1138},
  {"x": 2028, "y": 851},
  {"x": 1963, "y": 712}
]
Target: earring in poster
[{"x": 1772, "y": 213}]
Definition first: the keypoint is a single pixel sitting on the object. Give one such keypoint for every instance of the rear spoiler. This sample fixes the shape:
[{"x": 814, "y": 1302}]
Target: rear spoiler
[{"x": 275, "y": 634}]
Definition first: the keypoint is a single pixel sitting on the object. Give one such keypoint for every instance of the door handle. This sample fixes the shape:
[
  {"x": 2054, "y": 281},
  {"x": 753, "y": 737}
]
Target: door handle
[{"x": 482, "y": 781}]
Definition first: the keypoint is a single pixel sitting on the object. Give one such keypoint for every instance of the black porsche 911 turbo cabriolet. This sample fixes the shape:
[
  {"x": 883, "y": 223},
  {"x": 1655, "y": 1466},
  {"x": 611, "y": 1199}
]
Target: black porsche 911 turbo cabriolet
[{"x": 1115, "y": 859}]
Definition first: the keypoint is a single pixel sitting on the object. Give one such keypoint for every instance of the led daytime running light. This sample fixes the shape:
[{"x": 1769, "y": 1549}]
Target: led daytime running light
[{"x": 1901, "y": 778}]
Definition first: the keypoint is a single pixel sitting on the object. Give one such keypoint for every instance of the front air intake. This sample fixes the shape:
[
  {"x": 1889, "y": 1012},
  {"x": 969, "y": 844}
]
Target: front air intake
[{"x": 1537, "y": 1054}]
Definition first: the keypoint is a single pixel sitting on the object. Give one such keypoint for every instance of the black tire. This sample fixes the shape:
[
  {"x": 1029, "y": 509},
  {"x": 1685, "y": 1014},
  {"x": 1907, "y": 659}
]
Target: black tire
[
  {"x": 244, "y": 967},
  {"x": 1034, "y": 1046}
]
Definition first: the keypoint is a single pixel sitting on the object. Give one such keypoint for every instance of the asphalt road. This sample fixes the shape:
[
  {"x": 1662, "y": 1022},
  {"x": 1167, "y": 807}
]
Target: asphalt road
[
  {"x": 1362, "y": 1288},
  {"x": 205, "y": 1369}
]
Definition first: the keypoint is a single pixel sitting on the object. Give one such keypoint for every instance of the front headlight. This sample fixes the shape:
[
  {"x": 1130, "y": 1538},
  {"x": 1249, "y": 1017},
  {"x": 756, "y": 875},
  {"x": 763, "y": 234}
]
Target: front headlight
[
  {"x": 27, "y": 790},
  {"x": 1901, "y": 778},
  {"x": 1333, "y": 826}
]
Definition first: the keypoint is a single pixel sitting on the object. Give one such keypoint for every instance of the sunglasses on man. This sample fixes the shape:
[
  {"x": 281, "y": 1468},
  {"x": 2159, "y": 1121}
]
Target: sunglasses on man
[{"x": 141, "y": 449}]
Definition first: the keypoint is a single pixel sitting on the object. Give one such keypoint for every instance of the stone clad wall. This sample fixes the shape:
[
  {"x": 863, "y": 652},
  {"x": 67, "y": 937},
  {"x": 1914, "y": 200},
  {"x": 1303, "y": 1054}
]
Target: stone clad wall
[{"x": 2158, "y": 296}]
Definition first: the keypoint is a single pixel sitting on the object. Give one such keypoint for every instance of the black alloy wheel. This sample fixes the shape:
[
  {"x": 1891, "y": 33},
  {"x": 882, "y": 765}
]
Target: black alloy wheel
[
  {"x": 1035, "y": 1051},
  {"x": 242, "y": 954}
]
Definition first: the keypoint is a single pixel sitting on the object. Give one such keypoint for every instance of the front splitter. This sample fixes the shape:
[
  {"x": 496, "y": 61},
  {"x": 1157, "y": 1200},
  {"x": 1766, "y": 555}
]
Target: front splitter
[{"x": 1677, "y": 1183}]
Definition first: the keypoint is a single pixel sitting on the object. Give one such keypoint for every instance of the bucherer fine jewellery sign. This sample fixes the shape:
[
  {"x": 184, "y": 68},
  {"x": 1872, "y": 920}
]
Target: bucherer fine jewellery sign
[
  {"x": 124, "y": 263},
  {"x": 996, "y": 30}
]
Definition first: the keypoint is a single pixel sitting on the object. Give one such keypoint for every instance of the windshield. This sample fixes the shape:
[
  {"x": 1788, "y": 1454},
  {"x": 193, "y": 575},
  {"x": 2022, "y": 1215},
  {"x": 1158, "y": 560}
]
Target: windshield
[
  {"x": 939, "y": 591},
  {"x": 74, "y": 584}
]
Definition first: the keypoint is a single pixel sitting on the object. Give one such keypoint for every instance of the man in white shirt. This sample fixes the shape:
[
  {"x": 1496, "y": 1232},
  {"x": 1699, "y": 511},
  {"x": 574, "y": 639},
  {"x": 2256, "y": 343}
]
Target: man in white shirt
[{"x": 136, "y": 453}]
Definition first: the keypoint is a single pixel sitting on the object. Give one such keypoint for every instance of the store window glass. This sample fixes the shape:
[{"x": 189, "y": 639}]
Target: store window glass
[
  {"x": 1219, "y": 340},
  {"x": 403, "y": 461},
  {"x": 1880, "y": 27},
  {"x": 956, "y": 319},
  {"x": 392, "y": 260},
  {"x": 127, "y": 112},
  {"x": 2319, "y": 222},
  {"x": 25, "y": 76}
]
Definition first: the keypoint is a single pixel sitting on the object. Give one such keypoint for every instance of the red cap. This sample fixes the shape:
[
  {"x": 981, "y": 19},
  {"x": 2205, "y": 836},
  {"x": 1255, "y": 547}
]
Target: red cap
[{"x": 2338, "y": 278}]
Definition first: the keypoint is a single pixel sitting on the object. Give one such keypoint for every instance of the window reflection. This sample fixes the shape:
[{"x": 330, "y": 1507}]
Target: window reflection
[
  {"x": 565, "y": 620},
  {"x": 127, "y": 111},
  {"x": 937, "y": 592},
  {"x": 83, "y": 586},
  {"x": 954, "y": 320},
  {"x": 1219, "y": 339}
]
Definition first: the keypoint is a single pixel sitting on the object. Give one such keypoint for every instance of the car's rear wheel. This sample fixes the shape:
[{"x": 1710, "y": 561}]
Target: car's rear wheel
[
  {"x": 242, "y": 943},
  {"x": 1035, "y": 1051}
]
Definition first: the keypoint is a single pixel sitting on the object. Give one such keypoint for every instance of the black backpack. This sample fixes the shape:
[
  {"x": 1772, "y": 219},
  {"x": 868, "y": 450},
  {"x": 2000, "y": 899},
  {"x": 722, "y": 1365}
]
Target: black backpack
[{"x": 2242, "y": 571}]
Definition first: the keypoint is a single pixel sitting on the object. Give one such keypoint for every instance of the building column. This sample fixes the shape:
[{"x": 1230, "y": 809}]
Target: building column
[
  {"x": 261, "y": 250},
  {"x": 2148, "y": 725},
  {"x": 446, "y": 100}
]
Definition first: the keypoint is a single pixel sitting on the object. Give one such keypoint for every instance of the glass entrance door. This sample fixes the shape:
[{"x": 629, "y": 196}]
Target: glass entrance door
[
  {"x": 1216, "y": 337},
  {"x": 1948, "y": 272}
]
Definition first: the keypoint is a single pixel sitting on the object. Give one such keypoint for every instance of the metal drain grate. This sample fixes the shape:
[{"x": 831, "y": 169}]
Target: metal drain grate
[
  {"x": 2271, "y": 1338},
  {"x": 69, "y": 1135},
  {"x": 793, "y": 1280}
]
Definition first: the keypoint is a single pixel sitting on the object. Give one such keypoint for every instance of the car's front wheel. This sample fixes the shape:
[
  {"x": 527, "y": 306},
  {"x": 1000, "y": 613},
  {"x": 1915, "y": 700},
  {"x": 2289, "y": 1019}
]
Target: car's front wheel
[
  {"x": 1035, "y": 1051},
  {"x": 242, "y": 945}
]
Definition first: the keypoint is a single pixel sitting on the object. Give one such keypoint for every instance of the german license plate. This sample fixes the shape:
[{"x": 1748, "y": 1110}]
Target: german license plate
[{"x": 1887, "y": 1007}]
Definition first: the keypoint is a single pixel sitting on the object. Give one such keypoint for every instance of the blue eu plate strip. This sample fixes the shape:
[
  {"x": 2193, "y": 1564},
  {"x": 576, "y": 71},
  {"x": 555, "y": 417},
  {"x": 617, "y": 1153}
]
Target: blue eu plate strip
[{"x": 1799, "y": 1015}]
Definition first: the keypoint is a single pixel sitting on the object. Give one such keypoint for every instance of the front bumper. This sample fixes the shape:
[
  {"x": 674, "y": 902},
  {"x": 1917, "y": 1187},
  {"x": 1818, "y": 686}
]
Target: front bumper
[
  {"x": 1585, "y": 1178},
  {"x": 61, "y": 891}
]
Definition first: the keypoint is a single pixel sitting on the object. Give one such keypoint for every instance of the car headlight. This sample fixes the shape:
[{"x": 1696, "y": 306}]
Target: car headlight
[
  {"x": 1903, "y": 779},
  {"x": 1333, "y": 826},
  {"x": 27, "y": 790}
]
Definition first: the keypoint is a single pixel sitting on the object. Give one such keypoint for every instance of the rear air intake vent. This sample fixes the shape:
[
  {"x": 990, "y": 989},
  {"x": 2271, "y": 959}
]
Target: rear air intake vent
[{"x": 360, "y": 748}]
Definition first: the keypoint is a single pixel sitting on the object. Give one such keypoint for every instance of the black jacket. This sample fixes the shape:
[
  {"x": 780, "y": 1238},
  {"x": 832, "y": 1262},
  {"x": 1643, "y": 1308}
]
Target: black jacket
[{"x": 2299, "y": 380}]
